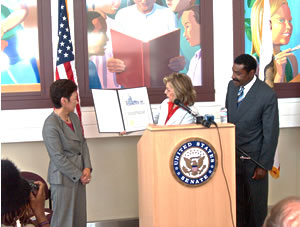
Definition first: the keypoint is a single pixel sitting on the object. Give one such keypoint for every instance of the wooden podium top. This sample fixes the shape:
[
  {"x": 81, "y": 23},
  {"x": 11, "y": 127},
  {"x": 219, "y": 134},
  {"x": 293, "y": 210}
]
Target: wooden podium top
[{"x": 152, "y": 127}]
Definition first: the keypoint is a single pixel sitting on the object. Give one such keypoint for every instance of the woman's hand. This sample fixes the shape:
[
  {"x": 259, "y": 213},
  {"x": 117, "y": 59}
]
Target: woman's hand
[
  {"x": 123, "y": 133},
  {"x": 86, "y": 176}
]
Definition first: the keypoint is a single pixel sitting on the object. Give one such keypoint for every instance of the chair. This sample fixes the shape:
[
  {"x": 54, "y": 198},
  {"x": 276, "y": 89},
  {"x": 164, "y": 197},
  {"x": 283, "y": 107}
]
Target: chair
[{"x": 35, "y": 177}]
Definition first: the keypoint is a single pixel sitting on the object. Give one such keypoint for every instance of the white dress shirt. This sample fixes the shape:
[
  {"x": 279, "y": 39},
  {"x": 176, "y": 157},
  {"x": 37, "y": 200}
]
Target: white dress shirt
[
  {"x": 195, "y": 70},
  {"x": 132, "y": 22}
]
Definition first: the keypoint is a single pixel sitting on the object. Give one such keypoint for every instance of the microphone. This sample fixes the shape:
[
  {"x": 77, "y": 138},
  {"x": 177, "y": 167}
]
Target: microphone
[
  {"x": 178, "y": 103},
  {"x": 199, "y": 119}
]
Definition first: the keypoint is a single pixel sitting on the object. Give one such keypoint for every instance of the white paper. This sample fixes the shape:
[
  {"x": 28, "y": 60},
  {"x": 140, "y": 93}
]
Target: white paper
[
  {"x": 135, "y": 108},
  {"x": 107, "y": 110},
  {"x": 123, "y": 109}
]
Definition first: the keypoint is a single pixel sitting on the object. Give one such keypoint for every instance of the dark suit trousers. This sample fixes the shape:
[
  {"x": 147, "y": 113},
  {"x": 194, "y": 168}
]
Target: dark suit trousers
[{"x": 251, "y": 196}]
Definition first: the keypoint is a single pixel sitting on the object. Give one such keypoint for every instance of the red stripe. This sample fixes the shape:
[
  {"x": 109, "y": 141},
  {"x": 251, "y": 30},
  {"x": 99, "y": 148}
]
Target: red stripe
[
  {"x": 69, "y": 71},
  {"x": 56, "y": 74}
]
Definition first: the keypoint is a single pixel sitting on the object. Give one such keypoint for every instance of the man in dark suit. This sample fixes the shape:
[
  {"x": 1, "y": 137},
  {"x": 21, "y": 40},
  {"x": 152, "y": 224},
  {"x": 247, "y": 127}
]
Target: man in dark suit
[{"x": 252, "y": 107}]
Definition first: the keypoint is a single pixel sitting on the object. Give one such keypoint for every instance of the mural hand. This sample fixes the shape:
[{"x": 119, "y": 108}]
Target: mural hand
[
  {"x": 177, "y": 63},
  {"x": 115, "y": 65},
  {"x": 281, "y": 61}
]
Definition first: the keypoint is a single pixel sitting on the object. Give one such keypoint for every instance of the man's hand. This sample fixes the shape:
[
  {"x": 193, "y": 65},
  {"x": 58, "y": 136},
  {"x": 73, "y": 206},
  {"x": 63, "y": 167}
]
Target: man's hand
[
  {"x": 115, "y": 65},
  {"x": 177, "y": 63},
  {"x": 86, "y": 176},
  {"x": 259, "y": 173}
]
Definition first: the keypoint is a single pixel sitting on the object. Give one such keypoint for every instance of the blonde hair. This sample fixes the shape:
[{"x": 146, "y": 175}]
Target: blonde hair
[
  {"x": 183, "y": 87},
  {"x": 257, "y": 20}
]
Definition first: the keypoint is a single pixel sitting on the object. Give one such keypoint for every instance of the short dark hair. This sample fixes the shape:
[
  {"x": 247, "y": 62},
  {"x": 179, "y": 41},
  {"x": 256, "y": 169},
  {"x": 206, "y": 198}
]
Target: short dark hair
[
  {"x": 91, "y": 15},
  {"x": 61, "y": 88},
  {"x": 247, "y": 60}
]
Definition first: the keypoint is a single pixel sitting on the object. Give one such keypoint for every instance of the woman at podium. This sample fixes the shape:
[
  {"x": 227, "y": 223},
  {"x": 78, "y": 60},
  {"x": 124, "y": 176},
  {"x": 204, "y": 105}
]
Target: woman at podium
[{"x": 179, "y": 87}]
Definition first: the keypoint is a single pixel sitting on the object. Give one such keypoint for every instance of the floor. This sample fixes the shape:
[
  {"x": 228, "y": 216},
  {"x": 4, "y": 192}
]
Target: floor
[{"x": 116, "y": 223}]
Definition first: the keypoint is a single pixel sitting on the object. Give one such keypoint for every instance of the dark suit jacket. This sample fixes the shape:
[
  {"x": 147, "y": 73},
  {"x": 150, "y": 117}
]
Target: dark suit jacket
[
  {"x": 67, "y": 149},
  {"x": 256, "y": 121}
]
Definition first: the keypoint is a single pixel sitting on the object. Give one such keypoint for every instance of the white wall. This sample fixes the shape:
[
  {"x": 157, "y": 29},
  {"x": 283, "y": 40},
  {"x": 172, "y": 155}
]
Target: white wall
[
  {"x": 114, "y": 157},
  {"x": 112, "y": 192}
]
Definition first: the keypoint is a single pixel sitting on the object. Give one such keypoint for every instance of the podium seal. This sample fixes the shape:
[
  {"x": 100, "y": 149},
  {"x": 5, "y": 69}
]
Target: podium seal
[{"x": 194, "y": 162}]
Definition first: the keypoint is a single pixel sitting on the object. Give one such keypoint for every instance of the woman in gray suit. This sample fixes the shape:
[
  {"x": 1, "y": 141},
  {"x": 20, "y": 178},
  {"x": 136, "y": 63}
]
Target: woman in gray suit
[{"x": 70, "y": 166}]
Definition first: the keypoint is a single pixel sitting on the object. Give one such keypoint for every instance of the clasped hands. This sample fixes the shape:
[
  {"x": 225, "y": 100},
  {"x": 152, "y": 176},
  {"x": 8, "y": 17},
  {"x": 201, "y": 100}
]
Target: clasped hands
[{"x": 86, "y": 176}]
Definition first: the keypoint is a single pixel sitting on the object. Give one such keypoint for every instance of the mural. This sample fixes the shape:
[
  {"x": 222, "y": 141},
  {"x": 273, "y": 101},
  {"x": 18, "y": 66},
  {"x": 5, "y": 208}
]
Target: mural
[
  {"x": 143, "y": 23},
  {"x": 19, "y": 46},
  {"x": 285, "y": 25}
]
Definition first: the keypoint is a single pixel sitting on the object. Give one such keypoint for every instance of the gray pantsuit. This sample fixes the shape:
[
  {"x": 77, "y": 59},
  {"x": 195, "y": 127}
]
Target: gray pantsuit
[{"x": 69, "y": 155}]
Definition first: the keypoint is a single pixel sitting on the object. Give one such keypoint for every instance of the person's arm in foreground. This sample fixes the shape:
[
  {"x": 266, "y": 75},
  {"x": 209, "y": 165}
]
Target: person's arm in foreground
[{"x": 37, "y": 204}]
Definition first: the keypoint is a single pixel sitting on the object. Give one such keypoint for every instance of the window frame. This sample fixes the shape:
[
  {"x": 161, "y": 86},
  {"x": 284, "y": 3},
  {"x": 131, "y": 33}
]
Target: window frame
[
  {"x": 283, "y": 90},
  {"x": 40, "y": 99}
]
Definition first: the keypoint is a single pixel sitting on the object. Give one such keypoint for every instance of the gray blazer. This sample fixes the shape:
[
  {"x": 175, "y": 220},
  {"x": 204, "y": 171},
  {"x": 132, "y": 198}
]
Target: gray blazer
[
  {"x": 256, "y": 121},
  {"x": 67, "y": 149}
]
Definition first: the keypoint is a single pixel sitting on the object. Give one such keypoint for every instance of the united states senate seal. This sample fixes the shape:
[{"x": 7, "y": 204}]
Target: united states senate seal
[{"x": 194, "y": 162}]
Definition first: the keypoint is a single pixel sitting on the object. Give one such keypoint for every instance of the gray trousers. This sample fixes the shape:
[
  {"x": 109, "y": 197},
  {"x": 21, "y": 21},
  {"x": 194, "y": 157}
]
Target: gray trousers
[{"x": 69, "y": 205}]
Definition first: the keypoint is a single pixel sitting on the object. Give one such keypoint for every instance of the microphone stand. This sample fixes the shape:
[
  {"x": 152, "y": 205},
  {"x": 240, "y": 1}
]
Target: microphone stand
[
  {"x": 202, "y": 121},
  {"x": 249, "y": 157}
]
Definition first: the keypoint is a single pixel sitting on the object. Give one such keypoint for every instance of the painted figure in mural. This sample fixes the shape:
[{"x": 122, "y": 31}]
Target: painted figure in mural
[
  {"x": 145, "y": 20},
  {"x": 191, "y": 22},
  {"x": 97, "y": 39},
  {"x": 282, "y": 28},
  {"x": 105, "y": 7},
  {"x": 14, "y": 59},
  {"x": 178, "y": 6}
]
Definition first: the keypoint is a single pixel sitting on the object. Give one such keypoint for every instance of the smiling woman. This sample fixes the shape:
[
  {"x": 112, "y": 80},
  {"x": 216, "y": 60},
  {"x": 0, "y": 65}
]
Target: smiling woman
[{"x": 282, "y": 29}]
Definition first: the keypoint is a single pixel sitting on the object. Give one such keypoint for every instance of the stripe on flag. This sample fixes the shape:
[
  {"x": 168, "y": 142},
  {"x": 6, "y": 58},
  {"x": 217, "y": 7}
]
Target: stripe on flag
[{"x": 65, "y": 65}]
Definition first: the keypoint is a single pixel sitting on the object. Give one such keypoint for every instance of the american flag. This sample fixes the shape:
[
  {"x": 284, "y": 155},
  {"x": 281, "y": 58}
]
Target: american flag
[{"x": 65, "y": 65}]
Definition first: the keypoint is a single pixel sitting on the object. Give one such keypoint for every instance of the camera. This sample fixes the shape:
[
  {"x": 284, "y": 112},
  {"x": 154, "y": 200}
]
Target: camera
[{"x": 34, "y": 187}]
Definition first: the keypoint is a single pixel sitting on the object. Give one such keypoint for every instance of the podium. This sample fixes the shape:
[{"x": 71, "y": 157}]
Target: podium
[{"x": 164, "y": 200}]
